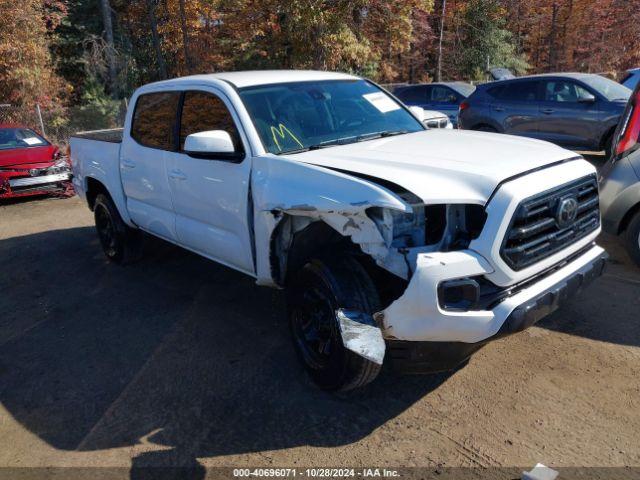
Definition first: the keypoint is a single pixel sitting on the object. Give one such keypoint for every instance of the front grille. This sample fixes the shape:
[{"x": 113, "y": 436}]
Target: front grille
[
  {"x": 536, "y": 231},
  {"x": 437, "y": 123}
]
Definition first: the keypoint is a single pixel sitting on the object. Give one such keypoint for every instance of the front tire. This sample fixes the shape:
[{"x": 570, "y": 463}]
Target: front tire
[
  {"x": 632, "y": 238},
  {"x": 120, "y": 243},
  {"x": 315, "y": 293}
]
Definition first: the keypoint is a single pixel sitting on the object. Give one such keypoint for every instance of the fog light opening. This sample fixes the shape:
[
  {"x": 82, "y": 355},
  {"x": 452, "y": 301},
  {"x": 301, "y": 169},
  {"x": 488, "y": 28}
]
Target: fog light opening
[{"x": 459, "y": 295}]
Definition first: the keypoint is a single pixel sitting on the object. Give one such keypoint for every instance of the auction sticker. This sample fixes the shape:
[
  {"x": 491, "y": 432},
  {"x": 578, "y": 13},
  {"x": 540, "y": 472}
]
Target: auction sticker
[{"x": 381, "y": 101}]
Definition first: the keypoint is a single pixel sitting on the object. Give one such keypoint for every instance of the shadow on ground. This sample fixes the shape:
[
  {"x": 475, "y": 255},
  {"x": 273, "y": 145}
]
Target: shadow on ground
[
  {"x": 180, "y": 352},
  {"x": 175, "y": 351}
]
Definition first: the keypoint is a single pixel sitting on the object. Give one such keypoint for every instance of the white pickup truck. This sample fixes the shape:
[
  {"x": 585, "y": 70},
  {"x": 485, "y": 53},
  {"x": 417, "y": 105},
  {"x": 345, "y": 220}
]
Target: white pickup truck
[{"x": 393, "y": 242}]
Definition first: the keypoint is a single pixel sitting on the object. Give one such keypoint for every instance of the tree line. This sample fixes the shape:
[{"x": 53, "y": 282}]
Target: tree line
[{"x": 86, "y": 53}]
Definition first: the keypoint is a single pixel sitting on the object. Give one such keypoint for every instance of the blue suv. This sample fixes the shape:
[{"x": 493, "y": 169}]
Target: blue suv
[
  {"x": 579, "y": 111},
  {"x": 631, "y": 78},
  {"x": 443, "y": 97}
]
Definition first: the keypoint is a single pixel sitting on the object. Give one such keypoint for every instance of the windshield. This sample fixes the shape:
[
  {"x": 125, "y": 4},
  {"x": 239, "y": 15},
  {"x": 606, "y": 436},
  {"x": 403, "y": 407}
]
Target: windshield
[
  {"x": 306, "y": 115},
  {"x": 608, "y": 88},
  {"x": 11, "y": 138}
]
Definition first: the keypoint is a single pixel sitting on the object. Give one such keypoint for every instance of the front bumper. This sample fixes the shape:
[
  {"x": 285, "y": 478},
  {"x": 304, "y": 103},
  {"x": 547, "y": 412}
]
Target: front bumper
[
  {"x": 533, "y": 304},
  {"x": 18, "y": 186}
]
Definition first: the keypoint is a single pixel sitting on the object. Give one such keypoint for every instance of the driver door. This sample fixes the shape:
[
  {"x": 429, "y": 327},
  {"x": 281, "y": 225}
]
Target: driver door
[
  {"x": 566, "y": 119},
  {"x": 210, "y": 195}
]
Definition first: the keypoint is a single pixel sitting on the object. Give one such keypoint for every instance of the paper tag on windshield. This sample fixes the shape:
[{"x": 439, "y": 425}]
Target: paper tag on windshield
[
  {"x": 32, "y": 141},
  {"x": 381, "y": 102}
]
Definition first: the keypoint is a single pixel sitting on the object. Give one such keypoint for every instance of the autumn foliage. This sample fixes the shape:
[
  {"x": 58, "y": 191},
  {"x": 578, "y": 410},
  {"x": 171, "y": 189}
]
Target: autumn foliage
[{"x": 62, "y": 51}]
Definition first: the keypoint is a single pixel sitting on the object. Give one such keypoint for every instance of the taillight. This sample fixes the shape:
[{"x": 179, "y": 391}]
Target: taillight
[
  {"x": 464, "y": 105},
  {"x": 630, "y": 130}
]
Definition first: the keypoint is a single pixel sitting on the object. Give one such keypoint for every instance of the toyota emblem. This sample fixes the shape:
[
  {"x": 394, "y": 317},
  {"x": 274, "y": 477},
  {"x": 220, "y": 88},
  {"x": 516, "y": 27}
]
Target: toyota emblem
[{"x": 567, "y": 212}]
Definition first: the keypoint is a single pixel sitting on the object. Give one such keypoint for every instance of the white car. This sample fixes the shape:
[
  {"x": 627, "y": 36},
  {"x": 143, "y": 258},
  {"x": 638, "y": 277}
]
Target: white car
[
  {"x": 394, "y": 242},
  {"x": 431, "y": 118}
]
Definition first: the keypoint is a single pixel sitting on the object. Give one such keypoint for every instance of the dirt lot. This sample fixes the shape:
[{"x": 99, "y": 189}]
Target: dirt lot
[{"x": 176, "y": 360}]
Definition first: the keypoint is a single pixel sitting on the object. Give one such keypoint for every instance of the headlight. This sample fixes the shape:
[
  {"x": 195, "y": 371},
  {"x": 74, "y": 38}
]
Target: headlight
[{"x": 446, "y": 227}]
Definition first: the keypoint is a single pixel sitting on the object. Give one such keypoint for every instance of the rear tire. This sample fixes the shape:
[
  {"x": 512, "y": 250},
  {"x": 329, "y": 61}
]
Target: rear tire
[
  {"x": 120, "y": 243},
  {"x": 316, "y": 291},
  {"x": 632, "y": 238}
]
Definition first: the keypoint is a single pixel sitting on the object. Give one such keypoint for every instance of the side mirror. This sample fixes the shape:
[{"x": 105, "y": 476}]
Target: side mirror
[
  {"x": 209, "y": 143},
  {"x": 418, "y": 112},
  {"x": 590, "y": 98}
]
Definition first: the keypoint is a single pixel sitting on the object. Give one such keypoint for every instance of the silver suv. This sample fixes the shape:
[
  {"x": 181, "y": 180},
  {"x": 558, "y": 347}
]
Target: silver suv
[{"x": 620, "y": 182}]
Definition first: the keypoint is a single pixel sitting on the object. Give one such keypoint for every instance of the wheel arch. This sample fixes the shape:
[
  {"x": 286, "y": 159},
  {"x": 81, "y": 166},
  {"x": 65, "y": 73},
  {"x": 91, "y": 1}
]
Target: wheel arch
[
  {"x": 94, "y": 186},
  {"x": 626, "y": 219},
  {"x": 607, "y": 135}
]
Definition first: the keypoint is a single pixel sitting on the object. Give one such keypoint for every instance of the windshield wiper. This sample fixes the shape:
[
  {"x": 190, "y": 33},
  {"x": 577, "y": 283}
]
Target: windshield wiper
[
  {"x": 373, "y": 136},
  {"x": 347, "y": 140}
]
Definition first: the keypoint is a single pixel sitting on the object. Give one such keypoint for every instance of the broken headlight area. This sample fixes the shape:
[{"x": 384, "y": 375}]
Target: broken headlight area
[{"x": 443, "y": 227}]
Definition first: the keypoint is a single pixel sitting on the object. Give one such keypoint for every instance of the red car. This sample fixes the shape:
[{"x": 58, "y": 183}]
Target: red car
[{"x": 30, "y": 164}]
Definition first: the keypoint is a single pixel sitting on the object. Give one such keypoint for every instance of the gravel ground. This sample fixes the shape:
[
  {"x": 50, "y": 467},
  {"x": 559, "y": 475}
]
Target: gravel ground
[{"x": 178, "y": 361}]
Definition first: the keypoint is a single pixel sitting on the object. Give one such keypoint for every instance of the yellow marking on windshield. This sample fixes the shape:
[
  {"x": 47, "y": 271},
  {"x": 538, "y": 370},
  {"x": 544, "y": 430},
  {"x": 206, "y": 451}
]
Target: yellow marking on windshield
[{"x": 280, "y": 132}]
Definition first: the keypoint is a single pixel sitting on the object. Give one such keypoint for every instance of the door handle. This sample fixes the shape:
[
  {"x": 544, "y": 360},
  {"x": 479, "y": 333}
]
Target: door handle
[
  {"x": 547, "y": 111},
  {"x": 498, "y": 109},
  {"x": 126, "y": 163},
  {"x": 177, "y": 175}
]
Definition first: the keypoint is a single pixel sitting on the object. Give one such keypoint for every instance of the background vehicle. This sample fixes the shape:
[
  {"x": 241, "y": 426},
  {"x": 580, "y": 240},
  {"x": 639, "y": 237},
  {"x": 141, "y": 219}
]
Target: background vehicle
[
  {"x": 391, "y": 240},
  {"x": 631, "y": 78},
  {"x": 432, "y": 119},
  {"x": 575, "y": 110},
  {"x": 30, "y": 164},
  {"x": 620, "y": 186},
  {"x": 443, "y": 96}
]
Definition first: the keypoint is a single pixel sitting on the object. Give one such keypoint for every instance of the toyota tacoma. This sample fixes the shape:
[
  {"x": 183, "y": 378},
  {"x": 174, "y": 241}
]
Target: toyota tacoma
[{"x": 393, "y": 242}]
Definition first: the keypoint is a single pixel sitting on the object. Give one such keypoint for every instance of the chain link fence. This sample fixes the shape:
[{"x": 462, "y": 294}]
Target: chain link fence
[{"x": 58, "y": 124}]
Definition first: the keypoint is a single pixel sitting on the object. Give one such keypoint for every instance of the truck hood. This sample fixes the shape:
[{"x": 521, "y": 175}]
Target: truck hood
[{"x": 441, "y": 166}]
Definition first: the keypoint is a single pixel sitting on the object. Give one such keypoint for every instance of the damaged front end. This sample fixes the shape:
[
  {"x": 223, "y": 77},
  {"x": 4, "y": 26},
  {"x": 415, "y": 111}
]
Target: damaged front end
[
  {"x": 383, "y": 222},
  {"x": 48, "y": 179}
]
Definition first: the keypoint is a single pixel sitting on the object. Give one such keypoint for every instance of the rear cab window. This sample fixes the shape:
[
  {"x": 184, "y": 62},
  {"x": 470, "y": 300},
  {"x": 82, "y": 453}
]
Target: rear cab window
[{"x": 154, "y": 120}]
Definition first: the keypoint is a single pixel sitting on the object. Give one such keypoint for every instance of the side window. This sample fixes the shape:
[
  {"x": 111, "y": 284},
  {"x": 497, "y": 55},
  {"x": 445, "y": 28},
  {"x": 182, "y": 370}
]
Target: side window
[
  {"x": 564, "y": 91},
  {"x": 201, "y": 112},
  {"x": 154, "y": 120},
  {"x": 441, "y": 94},
  {"x": 518, "y": 92},
  {"x": 413, "y": 94}
]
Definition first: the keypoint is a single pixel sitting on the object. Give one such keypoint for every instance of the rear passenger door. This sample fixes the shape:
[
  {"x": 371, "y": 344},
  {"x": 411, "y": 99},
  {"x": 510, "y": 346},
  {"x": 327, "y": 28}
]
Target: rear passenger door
[
  {"x": 143, "y": 162},
  {"x": 210, "y": 195},
  {"x": 515, "y": 107},
  {"x": 566, "y": 119}
]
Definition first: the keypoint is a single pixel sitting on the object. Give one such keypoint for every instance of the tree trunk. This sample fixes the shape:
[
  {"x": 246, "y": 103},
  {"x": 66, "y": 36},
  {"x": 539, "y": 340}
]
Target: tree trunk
[
  {"x": 108, "y": 36},
  {"x": 444, "y": 11},
  {"x": 155, "y": 38},
  {"x": 553, "y": 51},
  {"x": 185, "y": 38}
]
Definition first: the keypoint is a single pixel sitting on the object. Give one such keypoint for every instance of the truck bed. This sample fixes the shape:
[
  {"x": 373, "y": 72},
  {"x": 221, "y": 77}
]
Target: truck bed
[
  {"x": 96, "y": 155},
  {"x": 113, "y": 135}
]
